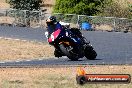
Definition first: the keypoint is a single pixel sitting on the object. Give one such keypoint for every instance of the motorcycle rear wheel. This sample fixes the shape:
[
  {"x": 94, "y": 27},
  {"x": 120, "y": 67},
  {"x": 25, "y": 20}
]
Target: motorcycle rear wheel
[{"x": 69, "y": 54}]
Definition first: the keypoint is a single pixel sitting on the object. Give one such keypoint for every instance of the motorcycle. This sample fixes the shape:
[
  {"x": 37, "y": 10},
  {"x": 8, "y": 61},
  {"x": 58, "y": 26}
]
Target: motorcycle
[{"x": 67, "y": 43}]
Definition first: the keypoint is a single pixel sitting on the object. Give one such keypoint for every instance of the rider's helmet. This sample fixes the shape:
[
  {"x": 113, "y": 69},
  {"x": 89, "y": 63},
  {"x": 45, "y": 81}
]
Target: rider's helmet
[{"x": 51, "y": 20}]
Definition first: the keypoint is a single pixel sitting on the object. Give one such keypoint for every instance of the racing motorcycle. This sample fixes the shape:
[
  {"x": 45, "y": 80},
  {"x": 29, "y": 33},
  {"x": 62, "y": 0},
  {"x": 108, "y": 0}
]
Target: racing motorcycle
[{"x": 67, "y": 43}]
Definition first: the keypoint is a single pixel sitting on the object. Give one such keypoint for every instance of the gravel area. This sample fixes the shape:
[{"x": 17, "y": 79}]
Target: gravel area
[{"x": 17, "y": 49}]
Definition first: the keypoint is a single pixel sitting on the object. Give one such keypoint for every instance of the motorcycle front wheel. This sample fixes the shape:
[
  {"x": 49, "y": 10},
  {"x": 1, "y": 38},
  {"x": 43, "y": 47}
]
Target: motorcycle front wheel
[
  {"x": 67, "y": 52},
  {"x": 90, "y": 53}
]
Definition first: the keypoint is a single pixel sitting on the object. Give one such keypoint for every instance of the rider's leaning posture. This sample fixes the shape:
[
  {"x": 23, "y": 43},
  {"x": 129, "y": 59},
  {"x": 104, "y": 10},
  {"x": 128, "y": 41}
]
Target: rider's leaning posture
[{"x": 53, "y": 25}]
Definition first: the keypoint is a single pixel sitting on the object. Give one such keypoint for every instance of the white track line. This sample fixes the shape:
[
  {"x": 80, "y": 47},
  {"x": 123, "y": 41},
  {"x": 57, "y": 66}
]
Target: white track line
[
  {"x": 28, "y": 60},
  {"x": 2, "y": 62}
]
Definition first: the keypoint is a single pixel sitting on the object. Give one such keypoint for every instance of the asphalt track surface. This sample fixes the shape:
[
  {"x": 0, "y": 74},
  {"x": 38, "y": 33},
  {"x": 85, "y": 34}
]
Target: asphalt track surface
[{"x": 111, "y": 47}]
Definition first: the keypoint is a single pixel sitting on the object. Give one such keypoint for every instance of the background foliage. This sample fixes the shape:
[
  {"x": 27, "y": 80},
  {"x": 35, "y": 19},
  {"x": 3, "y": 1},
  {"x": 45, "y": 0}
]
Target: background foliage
[
  {"x": 85, "y": 7},
  {"x": 26, "y": 4},
  {"x": 117, "y": 9},
  {"x": 93, "y": 7}
]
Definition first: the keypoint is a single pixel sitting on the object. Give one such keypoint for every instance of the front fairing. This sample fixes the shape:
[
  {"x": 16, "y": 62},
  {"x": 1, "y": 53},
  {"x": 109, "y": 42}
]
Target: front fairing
[
  {"x": 76, "y": 40},
  {"x": 67, "y": 36},
  {"x": 73, "y": 37},
  {"x": 64, "y": 36}
]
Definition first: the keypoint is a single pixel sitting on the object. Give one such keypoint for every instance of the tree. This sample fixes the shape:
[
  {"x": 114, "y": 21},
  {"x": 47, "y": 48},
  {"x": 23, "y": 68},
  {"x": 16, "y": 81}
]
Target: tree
[
  {"x": 85, "y": 7},
  {"x": 29, "y": 5},
  {"x": 26, "y": 4},
  {"x": 115, "y": 9}
]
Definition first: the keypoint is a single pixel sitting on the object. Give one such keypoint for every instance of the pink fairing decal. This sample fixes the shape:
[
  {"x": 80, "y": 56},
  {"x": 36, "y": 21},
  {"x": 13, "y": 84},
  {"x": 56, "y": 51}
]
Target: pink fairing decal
[{"x": 54, "y": 35}]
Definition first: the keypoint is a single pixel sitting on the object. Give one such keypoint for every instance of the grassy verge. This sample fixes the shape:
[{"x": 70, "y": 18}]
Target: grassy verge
[
  {"x": 12, "y": 50},
  {"x": 57, "y": 77}
]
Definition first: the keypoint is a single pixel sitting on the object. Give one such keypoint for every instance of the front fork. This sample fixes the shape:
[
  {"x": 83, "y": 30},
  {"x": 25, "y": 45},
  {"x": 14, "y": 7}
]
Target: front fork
[{"x": 88, "y": 46}]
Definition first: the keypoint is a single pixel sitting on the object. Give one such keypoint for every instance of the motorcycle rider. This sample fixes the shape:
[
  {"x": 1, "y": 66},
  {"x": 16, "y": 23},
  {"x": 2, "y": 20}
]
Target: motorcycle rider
[{"x": 53, "y": 25}]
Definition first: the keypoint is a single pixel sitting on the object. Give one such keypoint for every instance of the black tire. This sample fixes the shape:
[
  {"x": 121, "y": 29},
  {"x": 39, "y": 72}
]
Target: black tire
[
  {"x": 81, "y": 80},
  {"x": 57, "y": 53},
  {"x": 69, "y": 54},
  {"x": 90, "y": 53}
]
